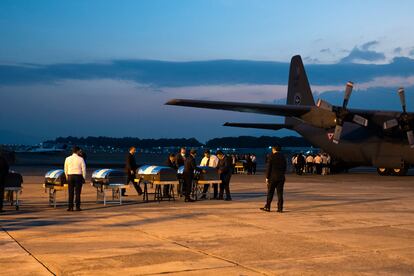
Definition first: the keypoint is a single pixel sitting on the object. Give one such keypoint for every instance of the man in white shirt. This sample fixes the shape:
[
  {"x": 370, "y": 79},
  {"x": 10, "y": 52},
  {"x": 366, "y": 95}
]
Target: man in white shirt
[
  {"x": 209, "y": 160},
  {"x": 309, "y": 163},
  {"x": 318, "y": 163},
  {"x": 75, "y": 171}
]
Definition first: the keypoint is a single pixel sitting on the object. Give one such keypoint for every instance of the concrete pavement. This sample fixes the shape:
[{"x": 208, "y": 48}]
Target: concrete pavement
[{"x": 356, "y": 223}]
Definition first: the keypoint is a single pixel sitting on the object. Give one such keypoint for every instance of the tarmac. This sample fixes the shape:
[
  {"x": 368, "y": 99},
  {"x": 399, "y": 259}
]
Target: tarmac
[{"x": 357, "y": 223}]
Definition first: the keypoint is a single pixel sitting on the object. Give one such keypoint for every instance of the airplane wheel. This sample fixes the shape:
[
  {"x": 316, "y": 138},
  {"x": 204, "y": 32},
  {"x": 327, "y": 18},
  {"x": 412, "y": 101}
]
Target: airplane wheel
[
  {"x": 399, "y": 171},
  {"x": 383, "y": 171}
]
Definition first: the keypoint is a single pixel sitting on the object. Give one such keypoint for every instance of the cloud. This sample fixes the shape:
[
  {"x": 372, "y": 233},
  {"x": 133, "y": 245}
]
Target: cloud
[
  {"x": 362, "y": 55},
  {"x": 201, "y": 73},
  {"x": 326, "y": 50},
  {"x": 366, "y": 46},
  {"x": 311, "y": 60},
  {"x": 397, "y": 50}
]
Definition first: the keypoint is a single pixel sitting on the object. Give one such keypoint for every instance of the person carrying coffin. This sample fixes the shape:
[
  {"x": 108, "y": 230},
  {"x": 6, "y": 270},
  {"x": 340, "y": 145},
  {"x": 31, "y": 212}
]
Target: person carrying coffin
[
  {"x": 172, "y": 164},
  {"x": 188, "y": 174},
  {"x": 209, "y": 160}
]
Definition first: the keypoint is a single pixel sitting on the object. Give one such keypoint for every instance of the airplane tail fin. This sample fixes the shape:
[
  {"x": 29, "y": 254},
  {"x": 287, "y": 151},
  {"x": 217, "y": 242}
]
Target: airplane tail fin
[{"x": 299, "y": 92}]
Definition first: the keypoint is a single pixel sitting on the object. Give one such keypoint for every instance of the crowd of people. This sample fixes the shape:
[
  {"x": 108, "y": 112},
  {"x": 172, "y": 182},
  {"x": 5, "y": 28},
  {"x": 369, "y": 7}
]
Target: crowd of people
[
  {"x": 312, "y": 163},
  {"x": 249, "y": 162},
  {"x": 75, "y": 172}
]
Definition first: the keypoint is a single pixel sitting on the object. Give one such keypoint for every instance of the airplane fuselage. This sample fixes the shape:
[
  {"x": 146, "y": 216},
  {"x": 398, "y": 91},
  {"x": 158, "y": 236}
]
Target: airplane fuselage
[{"x": 359, "y": 146}]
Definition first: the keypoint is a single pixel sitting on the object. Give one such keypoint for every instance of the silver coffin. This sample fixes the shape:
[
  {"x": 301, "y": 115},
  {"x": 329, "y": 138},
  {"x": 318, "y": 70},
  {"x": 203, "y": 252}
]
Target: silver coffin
[
  {"x": 108, "y": 177},
  {"x": 156, "y": 173}
]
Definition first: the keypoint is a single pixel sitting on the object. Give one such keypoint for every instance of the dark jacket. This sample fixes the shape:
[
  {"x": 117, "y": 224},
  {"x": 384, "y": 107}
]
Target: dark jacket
[
  {"x": 4, "y": 169},
  {"x": 179, "y": 160},
  {"x": 276, "y": 167},
  {"x": 300, "y": 160},
  {"x": 190, "y": 166},
  {"x": 225, "y": 166},
  {"x": 130, "y": 164},
  {"x": 172, "y": 165}
]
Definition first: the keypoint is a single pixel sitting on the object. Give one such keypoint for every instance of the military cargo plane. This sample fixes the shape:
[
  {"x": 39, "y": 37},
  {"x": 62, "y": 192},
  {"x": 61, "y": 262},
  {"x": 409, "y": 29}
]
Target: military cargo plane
[{"x": 353, "y": 137}]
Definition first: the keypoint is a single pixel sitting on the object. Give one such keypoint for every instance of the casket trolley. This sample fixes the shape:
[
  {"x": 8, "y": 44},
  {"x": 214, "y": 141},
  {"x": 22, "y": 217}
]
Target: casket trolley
[
  {"x": 13, "y": 186},
  {"x": 109, "y": 179},
  {"x": 158, "y": 176},
  {"x": 55, "y": 181}
]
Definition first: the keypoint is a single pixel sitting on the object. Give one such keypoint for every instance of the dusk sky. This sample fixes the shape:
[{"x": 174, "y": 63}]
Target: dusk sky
[{"x": 105, "y": 68}]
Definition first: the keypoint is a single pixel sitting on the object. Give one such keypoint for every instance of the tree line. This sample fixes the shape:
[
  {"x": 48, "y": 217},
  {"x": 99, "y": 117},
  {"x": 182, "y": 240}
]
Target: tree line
[{"x": 224, "y": 142}]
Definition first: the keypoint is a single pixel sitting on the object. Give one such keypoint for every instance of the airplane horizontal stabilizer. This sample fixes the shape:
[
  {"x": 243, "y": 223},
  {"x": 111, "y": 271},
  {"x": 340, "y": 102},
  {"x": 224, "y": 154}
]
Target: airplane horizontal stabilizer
[
  {"x": 259, "y": 126},
  {"x": 268, "y": 109}
]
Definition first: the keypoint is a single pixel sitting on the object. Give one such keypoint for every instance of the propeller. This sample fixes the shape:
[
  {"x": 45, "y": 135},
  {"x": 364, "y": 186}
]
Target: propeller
[
  {"x": 342, "y": 113},
  {"x": 404, "y": 121}
]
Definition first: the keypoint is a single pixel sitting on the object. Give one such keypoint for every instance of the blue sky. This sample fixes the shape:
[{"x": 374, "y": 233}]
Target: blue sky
[
  {"x": 89, "y": 57},
  {"x": 84, "y": 30}
]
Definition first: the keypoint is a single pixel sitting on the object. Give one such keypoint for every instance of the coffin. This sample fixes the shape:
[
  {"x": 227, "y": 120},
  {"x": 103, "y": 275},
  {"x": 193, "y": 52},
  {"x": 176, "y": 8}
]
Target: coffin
[
  {"x": 108, "y": 177},
  {"x": 157, "y": 173},
  {"x": 55, "y": 177},
  {"x": 13, "y": 180},
  {"x": 207, "y": 173}
]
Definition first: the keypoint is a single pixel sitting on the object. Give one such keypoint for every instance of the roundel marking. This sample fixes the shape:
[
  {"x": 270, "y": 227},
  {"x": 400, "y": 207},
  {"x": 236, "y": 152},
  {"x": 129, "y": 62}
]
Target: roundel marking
[{"x": 297, "y": 99}]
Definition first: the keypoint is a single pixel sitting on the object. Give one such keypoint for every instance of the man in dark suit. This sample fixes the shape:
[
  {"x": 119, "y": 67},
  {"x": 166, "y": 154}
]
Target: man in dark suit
[
  {"x": 4, "y": 170},
  {"x": 180, "y": 157},
  {"x": 172, "y": 164},
  {"x": 131, "y": 169},
  {"x": 225, "y": 169},
  {"x": 275, "y": 178},
  {"x": 179, "y": 161},
  {"x": 188, "y": 174}
]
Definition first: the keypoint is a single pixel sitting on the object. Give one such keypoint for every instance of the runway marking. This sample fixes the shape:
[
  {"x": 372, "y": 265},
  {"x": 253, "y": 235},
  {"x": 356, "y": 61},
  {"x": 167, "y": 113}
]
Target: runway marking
[
  {"x": 203, "y": 252},
  {"x": 186, "y": 270},
  {"x": 27, "y": 251}
]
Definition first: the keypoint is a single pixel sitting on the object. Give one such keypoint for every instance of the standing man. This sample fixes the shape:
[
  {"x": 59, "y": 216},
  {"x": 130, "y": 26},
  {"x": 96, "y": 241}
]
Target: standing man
[
  {"x": 75, "y": 171},
  {"x": 4, "y": 170},
  {"x": 188, "y": 174},
  {"x": 309, "y": 163},
  {"x": 181, "y": 156},
  {"x": 225, "y": 169},
  {"x": 254, "y": 163},
  {"x": 209, "y": 160},
  {"x": 131, "y": 169},
  {"x": 172, "y": 164},
  {"x": 275, "y": 177},
  {"x": 300, "y": 163},
  {"x": 180, "y": 160},
  {"x": 318, "y": 163}
]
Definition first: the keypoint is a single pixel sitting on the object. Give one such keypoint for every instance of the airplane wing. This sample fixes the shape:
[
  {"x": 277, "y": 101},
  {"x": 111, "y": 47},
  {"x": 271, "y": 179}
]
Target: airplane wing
[
  {"x": 268, "y": 109},
  {"x": 259, "y": 126}
]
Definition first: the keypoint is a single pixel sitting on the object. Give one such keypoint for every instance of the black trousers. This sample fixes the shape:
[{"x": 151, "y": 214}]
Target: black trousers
[
  {"x": 131, "y": 178},
  {"x": 278, "y": 185},
  {"x": 225, "y": 185},
  {"x": 188, "y": 184},
  {"x": 75, "y": 183},
  {"x": 215, "y": 188}
]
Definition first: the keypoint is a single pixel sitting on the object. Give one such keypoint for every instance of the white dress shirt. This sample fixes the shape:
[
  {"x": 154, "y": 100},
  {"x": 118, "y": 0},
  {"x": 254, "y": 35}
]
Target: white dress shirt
[
  {"x": 213, "y": 162},
  {"x": 75, "y": 164}
]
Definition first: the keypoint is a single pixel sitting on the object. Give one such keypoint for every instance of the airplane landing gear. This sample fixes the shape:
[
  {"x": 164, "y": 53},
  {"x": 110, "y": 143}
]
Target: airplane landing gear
[
  {"x": 383, "y": 171},
  {"x": 399, "y": 171},
  {"x": 396, "y": 171}
]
